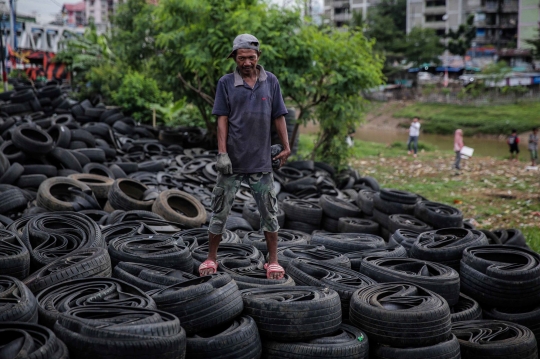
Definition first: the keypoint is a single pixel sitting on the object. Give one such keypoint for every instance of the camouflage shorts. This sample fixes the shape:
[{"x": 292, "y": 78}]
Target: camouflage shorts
[{"x": 262, "y": 188}]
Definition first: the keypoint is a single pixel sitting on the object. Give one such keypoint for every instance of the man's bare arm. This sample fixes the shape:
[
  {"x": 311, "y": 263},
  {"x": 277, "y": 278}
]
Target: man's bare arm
[
  {"x": 222, "y": 133},
  {"x": 281, "y": 128}
]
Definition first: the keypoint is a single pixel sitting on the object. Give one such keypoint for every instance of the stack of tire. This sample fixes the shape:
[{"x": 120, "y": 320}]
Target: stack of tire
[{"x": 505, "y": 280}]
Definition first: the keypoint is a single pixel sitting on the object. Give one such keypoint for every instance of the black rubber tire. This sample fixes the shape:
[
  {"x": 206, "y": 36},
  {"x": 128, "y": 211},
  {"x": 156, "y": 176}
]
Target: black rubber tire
[
  {"x": 83, "y": 292},
  {"x": 395, "y": 195},
  {"x": 19, "y": 304},
  {"x": 12, "y": 174},
  {"x": 98, "y": 169},
  {"x": 330, "y": 224},
  {"x": 438, "y": 215},
  {"x": 436, "y": 277},
  {"x": 233, "y": 223},
  {"x": 15, "y": 258},
  {"x": 81, "y": 263},
  {"x": 117, "y": 171},
  {"x": 94, "y": 154},
  {"x": 65, "y": 159},
  {"x": 369, "y": 182},
  {"x": 448, "y": 349},
  {"x": 137, "y": 333},
  {"x": 30, "y": 181},
  {"x": 83, "y": 136},
  {"x": 47, "y": 170},
  {"x": 100, "y": 185},
  {"x": 336, "y": 208},
  {"x": 403, "y": 237},
  {"x": 397, "y": 251},
  {"x": 128, "y": 167},
  {"x": 286, "y": 238},
  {"x": 364, "y": 201},
  {"x": 466, "y": 309},
  {"x": 51, "y": 192},
  {"x": 388, "y": 207},
  {"x": 28, "y": 340},
  {"x": 12, "y": 200},
  {"x": 61, "y": 135},
  {"x": 302, "y": 211},
  {"x": 238, "y": 339},
  {"x": 446, "y": 245},
  {"x": 201, "y": 303},
  {"x": 12, "y": 153},
  {"x": 528, "y": 317},
  {"x": 406, "y": 221},
  {"x": 126, "y": 194},
  {"x": 483, "y": 339},
  {"x": 346, "y": 343},
  {"x": 357, "y": 225},
  {"x": 413, "y": 317},
  {"x": 180, "y": 207},
  {"x": 347, "y": 242},
  {"x": 32, "y": 140},
  {"x": 501, "y": 276},
  {"x": 343, "y": 280},
  {"x": 312, "y": 252},
  {"x": 314, "y": 312},
  {"x": 149, "y": 277}
]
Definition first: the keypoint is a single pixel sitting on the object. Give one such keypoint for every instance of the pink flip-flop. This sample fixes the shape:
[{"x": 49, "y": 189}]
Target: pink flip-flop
[
  {"x": 208, "y": 264},
  {"x": 272, "y": 268}
]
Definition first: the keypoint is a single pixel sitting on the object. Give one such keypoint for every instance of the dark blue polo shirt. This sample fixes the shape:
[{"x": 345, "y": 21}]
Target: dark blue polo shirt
[{"x": 250, "y": 112}]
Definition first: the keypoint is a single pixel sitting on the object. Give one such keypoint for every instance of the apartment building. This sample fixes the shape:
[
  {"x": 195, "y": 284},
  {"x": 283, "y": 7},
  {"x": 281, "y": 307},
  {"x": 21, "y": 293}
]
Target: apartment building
[
  {"x": 500, "y": 23},
  {"x": 340, "y": 11},
  {"x": 100, "y": 11},
  {"x": 74, "y": 14}
]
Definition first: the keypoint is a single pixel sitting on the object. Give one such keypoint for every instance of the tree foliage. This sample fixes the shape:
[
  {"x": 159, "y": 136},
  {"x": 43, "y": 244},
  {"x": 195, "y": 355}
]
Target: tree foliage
[
  {"x": 460, "y": 40},
  {"x": 137, "y": 93},
  {"x": 535, "y": 45},
  {"x": 182, "y": 47},
  {"x": 422, "y": 46}
]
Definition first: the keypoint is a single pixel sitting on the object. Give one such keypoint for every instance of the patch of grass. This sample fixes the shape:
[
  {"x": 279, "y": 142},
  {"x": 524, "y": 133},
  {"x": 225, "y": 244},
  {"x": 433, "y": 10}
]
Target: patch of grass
[
  {"x": 361, "y": 149},
  {"x": 494, "y": 120}
]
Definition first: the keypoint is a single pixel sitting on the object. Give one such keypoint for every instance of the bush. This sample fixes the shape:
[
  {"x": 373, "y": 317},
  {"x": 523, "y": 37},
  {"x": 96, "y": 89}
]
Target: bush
[
  {"x": 103, "y": 80},
  {"x": 137, "y": 94}
]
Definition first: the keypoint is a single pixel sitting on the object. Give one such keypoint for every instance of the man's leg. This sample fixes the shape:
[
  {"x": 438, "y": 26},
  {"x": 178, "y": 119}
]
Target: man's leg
[
  {"x": 409, "y": 145},
  {"x": 222, "y": 201},
  {"x": 262, "y": 187},
  {"x": 415, "y": 145}
]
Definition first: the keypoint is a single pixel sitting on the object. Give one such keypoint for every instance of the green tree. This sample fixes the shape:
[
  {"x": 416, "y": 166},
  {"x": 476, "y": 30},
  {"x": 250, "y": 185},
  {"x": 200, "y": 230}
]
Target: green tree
[
  {"x": 422, "y": 46},
  {"x": 322, "y": 71},
  {"x": 460, "y": 40},
  {"x": 535, "y": 45},
  {"x": 83, "y": 52},
  {"x": 137, "y": 94}
]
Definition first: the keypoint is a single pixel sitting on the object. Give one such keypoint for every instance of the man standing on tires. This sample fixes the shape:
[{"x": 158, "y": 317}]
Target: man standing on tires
[{"x": 246, "y": 103}]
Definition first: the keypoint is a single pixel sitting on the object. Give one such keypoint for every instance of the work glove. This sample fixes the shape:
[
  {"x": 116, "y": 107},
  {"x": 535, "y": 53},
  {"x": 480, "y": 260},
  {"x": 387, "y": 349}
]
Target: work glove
[
  {"x": 274, "y": 151},
  {"x": 224, "y": 165}
]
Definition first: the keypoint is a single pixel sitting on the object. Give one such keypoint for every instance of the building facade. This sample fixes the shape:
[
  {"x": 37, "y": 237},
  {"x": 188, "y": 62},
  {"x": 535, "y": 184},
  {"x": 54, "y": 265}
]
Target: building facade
[
  {"x": 499, "y": 23},
  {"x": 100, "y": 11},
  {"x": 340, "y": 11},
  {"x": 74, "y": 14}
]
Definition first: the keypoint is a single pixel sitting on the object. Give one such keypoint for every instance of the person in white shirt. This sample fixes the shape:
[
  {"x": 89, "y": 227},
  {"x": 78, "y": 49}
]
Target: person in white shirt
[{"x": 414, "y": 132}]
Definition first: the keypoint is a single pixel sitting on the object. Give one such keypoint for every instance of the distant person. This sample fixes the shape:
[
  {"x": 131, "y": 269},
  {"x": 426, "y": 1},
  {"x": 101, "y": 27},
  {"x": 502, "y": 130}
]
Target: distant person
[
  {"x": 533, "y": 146},
  {"x": 458, "y": 145},
  {"x": 414, "y": 132},
  {"x": 513, "y": 143}
]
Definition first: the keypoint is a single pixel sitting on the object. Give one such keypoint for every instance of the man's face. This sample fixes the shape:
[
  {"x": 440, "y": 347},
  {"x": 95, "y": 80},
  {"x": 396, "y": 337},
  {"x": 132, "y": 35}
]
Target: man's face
[
  {"x": 246, "y": 60},
  {"x": 415, "y": 120}
]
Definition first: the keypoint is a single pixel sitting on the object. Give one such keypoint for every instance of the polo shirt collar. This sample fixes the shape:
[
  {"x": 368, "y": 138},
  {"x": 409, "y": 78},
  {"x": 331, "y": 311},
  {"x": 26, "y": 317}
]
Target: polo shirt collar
[{"x": 239, "y": 81}]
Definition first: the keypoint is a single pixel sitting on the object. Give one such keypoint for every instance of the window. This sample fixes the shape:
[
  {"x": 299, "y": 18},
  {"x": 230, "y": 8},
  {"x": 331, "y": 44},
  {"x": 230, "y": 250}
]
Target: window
[
  {"x": 433, "y": 3},
  {"x": 434, "y": 18}
]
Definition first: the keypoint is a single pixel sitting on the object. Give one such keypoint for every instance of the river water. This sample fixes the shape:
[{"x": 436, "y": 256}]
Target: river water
[{"x": 482, "y": 146}]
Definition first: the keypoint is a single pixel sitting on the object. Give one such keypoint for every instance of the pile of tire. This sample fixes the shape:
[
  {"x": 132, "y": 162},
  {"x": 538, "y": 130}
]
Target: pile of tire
[{"x": 103, "y": 226}]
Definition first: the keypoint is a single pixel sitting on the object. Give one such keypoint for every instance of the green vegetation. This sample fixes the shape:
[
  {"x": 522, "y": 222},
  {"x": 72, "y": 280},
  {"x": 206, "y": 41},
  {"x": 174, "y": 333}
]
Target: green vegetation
[
  {"x": 494, "y": 120},
  {"x": 159, "y": 55}
]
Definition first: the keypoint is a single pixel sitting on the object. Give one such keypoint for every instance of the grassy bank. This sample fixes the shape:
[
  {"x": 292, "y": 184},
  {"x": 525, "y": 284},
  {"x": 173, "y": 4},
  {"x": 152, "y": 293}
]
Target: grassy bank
[
  {"x": 493, "y": 120},
  {"x": 495, "y": 192}
]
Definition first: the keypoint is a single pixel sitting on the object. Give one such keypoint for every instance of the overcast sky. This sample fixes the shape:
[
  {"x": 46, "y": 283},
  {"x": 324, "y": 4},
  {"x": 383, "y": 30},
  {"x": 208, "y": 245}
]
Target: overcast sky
[{"x": 45, "y": 10}]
